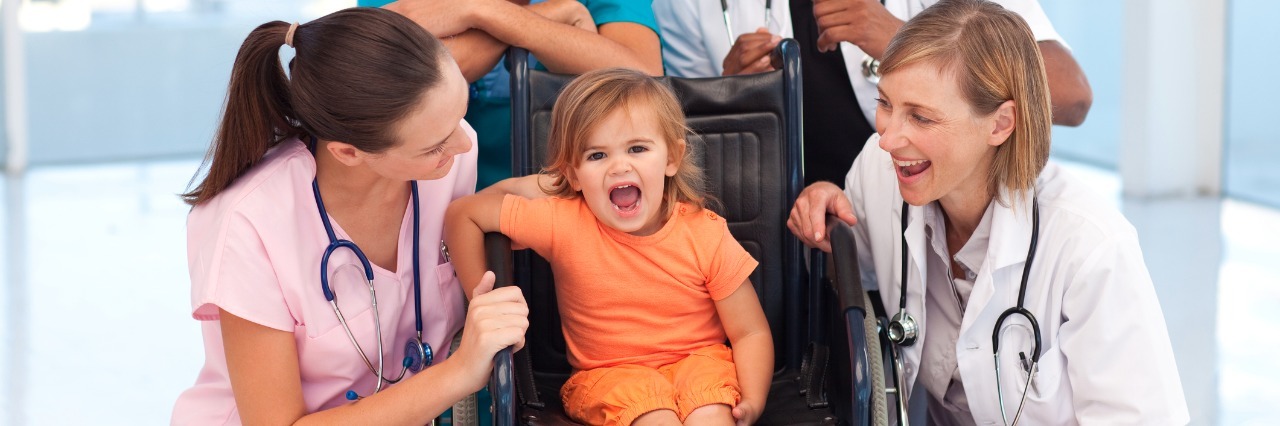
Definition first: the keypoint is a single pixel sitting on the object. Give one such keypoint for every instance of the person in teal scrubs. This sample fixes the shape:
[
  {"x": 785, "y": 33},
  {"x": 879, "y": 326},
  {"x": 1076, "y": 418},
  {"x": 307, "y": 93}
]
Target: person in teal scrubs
[{"x": 565, "y": 36}]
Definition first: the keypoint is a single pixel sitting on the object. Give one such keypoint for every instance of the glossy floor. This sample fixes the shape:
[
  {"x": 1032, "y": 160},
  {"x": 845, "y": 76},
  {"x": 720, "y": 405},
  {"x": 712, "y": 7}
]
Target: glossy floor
[{"x": 95, "y": 326}]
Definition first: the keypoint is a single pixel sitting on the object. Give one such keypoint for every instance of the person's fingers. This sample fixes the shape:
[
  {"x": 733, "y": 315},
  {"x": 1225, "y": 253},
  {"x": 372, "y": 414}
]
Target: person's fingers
[
  {"x": 482, "y": 312},
  {"x": 802, "y": 207},
  {"x": 499, "y": 295},
  {"x": 828, "y": 41},
  {"x": 817, "y": 218},
  {"x": 843, "y": 210},
  {"x": 500, "y": 332},
  {"x": 793, "y": 222},
  {"x": 485, "y": 286},
  {"x": 748, "y": 50},
  {"x": 827, "y": 7},
  {"x": 759, "y": 66}
]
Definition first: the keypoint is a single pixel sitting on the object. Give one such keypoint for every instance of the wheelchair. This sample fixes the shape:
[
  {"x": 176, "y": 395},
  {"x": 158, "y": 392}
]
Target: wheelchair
[{"x": 748, "y": 139}]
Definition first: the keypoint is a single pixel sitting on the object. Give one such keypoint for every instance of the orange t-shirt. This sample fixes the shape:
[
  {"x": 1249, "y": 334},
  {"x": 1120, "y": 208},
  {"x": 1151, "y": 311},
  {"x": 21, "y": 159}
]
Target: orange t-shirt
[{"x": 626, "y": 299}]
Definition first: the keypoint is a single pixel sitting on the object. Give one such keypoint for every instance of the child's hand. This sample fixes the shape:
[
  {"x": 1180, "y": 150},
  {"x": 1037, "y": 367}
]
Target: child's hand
[{"x": 746, "y": 413}]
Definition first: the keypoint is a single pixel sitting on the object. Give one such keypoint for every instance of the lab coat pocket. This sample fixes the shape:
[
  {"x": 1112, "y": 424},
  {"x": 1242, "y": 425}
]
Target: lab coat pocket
[{"x": 1048, "y": 379}]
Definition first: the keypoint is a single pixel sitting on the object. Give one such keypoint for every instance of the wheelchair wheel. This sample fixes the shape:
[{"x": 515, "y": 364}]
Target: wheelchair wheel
[
  {"x": 879, "y": 409},
  {"x": 465, "y": 412}
]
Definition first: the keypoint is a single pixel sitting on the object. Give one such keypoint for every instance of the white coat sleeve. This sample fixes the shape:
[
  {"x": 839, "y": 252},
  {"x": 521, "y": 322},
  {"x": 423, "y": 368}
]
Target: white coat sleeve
[
  {"x": 1033, "y": 13},
  {"x": 1119, "y": 359},
  {"x": 683, "y": 52}
]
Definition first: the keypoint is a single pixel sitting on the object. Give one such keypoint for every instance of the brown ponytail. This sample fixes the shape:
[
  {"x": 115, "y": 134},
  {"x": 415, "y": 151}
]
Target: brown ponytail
[{"x": 356, "y": 73}]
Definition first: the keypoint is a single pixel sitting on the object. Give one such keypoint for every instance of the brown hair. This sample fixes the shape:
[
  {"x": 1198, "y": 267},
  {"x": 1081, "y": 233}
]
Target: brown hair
[
  {"x": 590, "y": 98},
  {"x": 356, "y": 74},
  {"x": 994, "y": 56}
]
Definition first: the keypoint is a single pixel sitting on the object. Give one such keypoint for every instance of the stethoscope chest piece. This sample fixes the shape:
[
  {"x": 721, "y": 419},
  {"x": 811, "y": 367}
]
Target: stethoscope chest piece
[
  {"x": 903, "y": 329},
  {"x": 417, "y": 355},
  {"x": 871, "y": 69}
]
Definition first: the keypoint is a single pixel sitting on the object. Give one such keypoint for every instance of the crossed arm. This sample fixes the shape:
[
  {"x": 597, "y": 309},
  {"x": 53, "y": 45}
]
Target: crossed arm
[{"x": 561, "y": 33}]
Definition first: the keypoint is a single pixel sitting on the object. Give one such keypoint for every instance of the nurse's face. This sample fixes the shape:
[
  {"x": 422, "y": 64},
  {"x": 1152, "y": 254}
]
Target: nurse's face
[
  {"x": 941, "y": 150},
  {"x": 431, "y": 135}
]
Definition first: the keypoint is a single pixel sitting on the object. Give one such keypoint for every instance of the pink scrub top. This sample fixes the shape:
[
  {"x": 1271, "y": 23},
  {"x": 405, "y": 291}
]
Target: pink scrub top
[{"x": 254, "y": 250}]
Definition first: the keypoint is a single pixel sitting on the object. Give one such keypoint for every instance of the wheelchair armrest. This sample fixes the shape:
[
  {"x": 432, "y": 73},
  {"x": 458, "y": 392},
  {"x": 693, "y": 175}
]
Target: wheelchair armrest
[
  {"x": 842, "y": 266},
  {"x": 502, "y": 386},
  {"x": 847, "y": 280}
]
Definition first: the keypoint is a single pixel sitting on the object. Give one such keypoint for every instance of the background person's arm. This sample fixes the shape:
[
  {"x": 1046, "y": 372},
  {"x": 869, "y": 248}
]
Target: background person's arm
[
  {"x": 867, "y": 24},
  {"x": 569, "y": 49},
  {"x": 475, "y": 51},
  {"x": 1069, "y": 90}
]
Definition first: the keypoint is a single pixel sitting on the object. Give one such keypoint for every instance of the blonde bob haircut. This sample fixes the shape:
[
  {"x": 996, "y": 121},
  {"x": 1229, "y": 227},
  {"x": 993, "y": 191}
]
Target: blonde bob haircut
[
  {"x": 589, "y": 99},
  {"x": 993, "y": 56}
]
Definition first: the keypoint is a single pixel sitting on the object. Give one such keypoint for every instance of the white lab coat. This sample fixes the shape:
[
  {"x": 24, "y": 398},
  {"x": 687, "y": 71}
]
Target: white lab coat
[
  {"x": 1106, "y": 357},
  {"x": 695, "y": 39}
]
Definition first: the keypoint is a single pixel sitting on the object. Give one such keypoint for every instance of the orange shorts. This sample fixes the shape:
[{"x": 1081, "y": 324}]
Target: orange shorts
[{"x": 617, "y": 395}]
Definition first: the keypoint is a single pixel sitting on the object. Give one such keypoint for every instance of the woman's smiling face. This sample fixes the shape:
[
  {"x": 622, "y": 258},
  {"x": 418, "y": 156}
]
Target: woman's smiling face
[{"x": 940, "y": 148}]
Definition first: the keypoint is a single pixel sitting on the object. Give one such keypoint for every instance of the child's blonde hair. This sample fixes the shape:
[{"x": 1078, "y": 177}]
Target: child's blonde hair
[{"x": 590, "y": 98}]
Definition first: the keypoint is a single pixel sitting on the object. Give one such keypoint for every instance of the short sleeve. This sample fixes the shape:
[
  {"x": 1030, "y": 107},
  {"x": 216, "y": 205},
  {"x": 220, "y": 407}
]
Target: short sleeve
[
  {"x": 233, "y": 272},
  {"x": 610, "y": 11},
  {"x": 529, "y": 223},
  {"x": 730, "y": 265},
  {"x": 1033, "y": 13},
  {"x": 683, "y": 52}
]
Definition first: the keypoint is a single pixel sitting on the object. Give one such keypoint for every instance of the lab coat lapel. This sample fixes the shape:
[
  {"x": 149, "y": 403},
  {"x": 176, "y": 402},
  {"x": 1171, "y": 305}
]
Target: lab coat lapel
[
  {"x": 917, "y": 246},
  {"x": 1007, "y": 248}
]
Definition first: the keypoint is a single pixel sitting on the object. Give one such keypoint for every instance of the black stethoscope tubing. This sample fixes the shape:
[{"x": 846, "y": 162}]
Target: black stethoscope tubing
[{"x": 903, "y": 328}]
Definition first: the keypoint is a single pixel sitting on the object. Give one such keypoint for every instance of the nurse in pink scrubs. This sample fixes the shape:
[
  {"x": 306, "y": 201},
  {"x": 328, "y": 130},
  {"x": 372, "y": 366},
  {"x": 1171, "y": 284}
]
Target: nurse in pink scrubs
[{"x": 369, "y": 122}]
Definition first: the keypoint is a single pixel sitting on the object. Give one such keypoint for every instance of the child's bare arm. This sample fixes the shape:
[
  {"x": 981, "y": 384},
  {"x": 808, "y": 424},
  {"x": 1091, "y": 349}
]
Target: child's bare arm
[
  {"x": 748, "y": 330},
  {"x": 528, "y": 186},
  {"x": 465, "y": 223}
]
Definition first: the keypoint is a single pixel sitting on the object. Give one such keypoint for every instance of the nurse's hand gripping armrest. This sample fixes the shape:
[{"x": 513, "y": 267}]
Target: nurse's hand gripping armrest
[
  {"x": 496, "y": 319},
  {"x": 808, "y": 220}
]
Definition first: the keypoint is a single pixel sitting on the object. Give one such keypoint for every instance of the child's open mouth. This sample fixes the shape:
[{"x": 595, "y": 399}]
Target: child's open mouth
[{"x": 625, "y": 198}]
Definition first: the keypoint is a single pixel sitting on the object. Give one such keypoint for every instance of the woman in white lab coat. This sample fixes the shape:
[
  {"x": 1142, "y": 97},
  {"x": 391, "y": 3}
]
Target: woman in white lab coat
[{"x": 963, "y": 137}]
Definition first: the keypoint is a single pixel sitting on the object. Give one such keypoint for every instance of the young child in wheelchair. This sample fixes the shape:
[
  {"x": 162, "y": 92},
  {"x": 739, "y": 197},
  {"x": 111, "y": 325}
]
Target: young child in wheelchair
[{"x": 649, "y": 281}]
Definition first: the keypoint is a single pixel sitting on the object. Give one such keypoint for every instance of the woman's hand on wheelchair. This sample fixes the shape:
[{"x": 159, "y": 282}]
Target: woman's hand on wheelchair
[
  {"x": 808, "y": 220},
  {"x": 496, "y": 319}
]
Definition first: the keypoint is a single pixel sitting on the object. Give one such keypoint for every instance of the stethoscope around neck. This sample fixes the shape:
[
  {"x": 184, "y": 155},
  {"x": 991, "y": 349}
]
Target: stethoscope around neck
[
  {"x": 903, "y": 328},
  {"x": 417, "y": 353}
]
